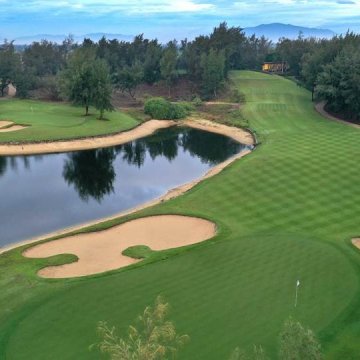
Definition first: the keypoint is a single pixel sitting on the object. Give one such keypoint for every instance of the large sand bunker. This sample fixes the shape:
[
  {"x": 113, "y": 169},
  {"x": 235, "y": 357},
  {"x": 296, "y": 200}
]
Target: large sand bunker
[
  {"x": 9, "y": 126},
  {"x": 102, "y": 251},
  {"x": 356, "y": 243}
]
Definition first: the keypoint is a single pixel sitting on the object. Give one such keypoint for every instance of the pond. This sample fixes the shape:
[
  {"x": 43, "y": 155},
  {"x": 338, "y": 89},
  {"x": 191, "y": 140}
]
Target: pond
[{"x": 43, "y": 193}]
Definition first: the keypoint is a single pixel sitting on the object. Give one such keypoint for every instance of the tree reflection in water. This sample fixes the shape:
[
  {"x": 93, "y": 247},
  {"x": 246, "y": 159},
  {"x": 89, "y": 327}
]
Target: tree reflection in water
[{"x": 91, "y": 172}]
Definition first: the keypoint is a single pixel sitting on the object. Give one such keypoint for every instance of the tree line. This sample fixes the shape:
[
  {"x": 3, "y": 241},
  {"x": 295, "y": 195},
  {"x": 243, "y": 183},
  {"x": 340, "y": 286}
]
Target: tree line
[
  {"x": 329, "y": 68},
  {"x": 88, "y": 72},
  {"x": 206, "y": 61}
]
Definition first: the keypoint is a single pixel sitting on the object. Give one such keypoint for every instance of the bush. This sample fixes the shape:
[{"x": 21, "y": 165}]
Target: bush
[
  {"x": 161, "y": 109},
  {"x": 197, "y": 101}
]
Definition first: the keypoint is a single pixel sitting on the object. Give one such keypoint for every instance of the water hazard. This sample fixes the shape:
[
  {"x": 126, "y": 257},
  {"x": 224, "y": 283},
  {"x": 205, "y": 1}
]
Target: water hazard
[{"x": 44, "y": 193}]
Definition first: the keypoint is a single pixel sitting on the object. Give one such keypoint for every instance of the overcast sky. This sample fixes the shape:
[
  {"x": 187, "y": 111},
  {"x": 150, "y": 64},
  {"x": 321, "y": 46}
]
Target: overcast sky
[{"x": 166, "y": 19}]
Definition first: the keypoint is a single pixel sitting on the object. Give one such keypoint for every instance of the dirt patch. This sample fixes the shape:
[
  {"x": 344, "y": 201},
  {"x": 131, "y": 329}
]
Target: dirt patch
[
  {"x": 102, "y": 251},
  {"x": 356, "y": 243}
]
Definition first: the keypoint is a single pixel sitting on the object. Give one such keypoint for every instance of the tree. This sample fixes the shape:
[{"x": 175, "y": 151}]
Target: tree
[
  {"x": 152, "y": 338},
  {"x": 339, "y": 83},
  {"x": 102, "y": 89},
  {"x": 10, "y": 65},
  {"x": 78, "y": 80},
  {"x": 258, "y": 354},
  {"x": 128, "y": 78},
  {"x": 86, "y": 81},
  {"x": 298, "y": 343},
  {"x": 168, "y": 64},
  {"x": 213, "y": 67}
]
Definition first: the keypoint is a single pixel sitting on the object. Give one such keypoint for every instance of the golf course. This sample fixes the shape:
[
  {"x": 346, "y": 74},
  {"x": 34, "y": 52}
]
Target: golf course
[{"x": 286, "y": 212}]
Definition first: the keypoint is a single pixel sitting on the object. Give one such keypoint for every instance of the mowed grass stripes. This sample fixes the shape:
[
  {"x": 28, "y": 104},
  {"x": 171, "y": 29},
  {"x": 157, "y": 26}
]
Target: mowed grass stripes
[{"x": 286, "y": 212}]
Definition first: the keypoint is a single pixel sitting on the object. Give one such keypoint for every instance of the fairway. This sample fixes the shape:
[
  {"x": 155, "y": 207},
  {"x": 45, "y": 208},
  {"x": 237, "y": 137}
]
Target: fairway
[
  {"x": 286, "y": 212},
  {"x": 57, "y": 121}
]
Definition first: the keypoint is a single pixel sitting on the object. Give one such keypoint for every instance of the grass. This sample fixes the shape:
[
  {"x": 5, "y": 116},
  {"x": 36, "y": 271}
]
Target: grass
[
  {"x": 285, "y": 212},
  {"x": 56, "y": 121}
]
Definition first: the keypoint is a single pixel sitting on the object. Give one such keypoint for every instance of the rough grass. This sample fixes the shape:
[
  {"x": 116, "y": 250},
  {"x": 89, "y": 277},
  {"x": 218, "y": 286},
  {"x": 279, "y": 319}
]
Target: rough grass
[
  {"x": 56, "y": 121},
  {"x": 285, "y": 212}
]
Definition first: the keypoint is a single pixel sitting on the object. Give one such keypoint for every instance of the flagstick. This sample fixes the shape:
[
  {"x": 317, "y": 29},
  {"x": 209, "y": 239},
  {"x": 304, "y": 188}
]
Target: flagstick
[{"x": 296, "y": 292}]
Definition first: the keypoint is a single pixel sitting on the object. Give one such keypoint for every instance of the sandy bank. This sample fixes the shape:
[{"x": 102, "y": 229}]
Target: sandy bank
[
  {"x": 102, "y": 251},
  {"x": 235, "y": 133},
  {"x": 143, "y": 130}
]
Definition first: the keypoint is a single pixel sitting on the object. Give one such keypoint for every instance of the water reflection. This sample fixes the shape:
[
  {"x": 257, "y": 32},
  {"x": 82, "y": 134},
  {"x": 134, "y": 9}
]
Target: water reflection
[
  {"x": 91, "y": 172},
  {"x": 40, "y": 194}
]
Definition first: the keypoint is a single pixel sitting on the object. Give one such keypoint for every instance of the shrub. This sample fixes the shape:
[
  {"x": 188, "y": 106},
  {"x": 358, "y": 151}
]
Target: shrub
[
  {"x": 161, "y": 109},
  {"x": 197, "y": 101}
]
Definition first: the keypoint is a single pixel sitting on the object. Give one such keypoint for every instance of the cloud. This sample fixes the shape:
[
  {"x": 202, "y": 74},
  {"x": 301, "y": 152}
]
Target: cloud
[{"x": 109, "y": 6}]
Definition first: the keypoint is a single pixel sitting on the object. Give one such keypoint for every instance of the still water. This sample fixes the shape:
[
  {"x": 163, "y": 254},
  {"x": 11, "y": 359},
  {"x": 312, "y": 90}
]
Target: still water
[{"x": 43, "y": 193}]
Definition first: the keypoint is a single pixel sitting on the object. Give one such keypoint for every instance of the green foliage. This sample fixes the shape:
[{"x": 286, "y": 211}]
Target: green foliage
[
  {"x": 168, "y": 64},
  {"x": 128, "y": 78},
  {"x": 102, "y": 88},
  {"x": 153, "y": 337},
  {"x": 258, "y": 354},
  {"x": 86, "y": 81},
  {"x": 213, "y": 72},
  {"x": 161, "y": 109},
  {"x": 197, "y": 101},
  {"x": 339, "y": 83},
  {"x": 10, "y": 65},
  {"x": 298, "y": 343}
]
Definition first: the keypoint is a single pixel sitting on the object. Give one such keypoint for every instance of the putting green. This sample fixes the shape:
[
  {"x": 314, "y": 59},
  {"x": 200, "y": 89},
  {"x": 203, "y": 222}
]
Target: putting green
[
  {"x": 57, "y": 121},
  {"x": 286, "y": 212}
]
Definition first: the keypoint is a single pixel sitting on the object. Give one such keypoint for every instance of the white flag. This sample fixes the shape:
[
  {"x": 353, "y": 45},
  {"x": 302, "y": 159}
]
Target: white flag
[{"x": 298, "y": 283}]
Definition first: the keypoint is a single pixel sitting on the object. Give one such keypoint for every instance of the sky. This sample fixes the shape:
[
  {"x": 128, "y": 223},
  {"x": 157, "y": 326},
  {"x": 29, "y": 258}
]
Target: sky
[{"x": 168, "y": 19}]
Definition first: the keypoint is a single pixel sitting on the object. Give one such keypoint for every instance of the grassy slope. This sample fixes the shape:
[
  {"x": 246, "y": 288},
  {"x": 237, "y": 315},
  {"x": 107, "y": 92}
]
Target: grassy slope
[
  {"x": 286, "y": 212},
  {"x": 54, "y": 121}
]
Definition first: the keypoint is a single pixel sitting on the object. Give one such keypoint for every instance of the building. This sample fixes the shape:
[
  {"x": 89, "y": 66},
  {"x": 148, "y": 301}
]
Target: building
[{"x": 275, "y": 67}]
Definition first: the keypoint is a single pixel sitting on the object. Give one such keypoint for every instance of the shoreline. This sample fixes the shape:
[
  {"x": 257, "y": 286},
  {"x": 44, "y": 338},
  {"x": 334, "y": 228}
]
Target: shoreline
[
  {"x": 236, "y": 134},
  {"x": 320, "y": 108},
  {"x": 145, "y": 129}
]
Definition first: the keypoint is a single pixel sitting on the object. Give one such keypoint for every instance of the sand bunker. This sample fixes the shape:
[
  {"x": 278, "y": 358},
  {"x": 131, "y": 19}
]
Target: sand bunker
[
  {"x": 9, "y": 126},
  {"x": 102, "y": 251},
  {"x": 356, "y": 243}
]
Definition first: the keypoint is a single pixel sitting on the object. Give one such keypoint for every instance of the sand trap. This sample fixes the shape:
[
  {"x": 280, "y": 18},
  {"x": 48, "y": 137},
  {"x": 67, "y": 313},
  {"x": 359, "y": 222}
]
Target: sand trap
[
  {"x": 5, "y": 123},
  {"x": 102, "y": 251},
  {"x": 9, "y": 126},
  {"x": 356, "y": 243}
]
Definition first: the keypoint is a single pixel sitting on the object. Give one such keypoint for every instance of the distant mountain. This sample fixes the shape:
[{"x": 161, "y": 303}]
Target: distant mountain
[
  {"x": 26, "y": 40},
  {"x": 277, "y": 30}
]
